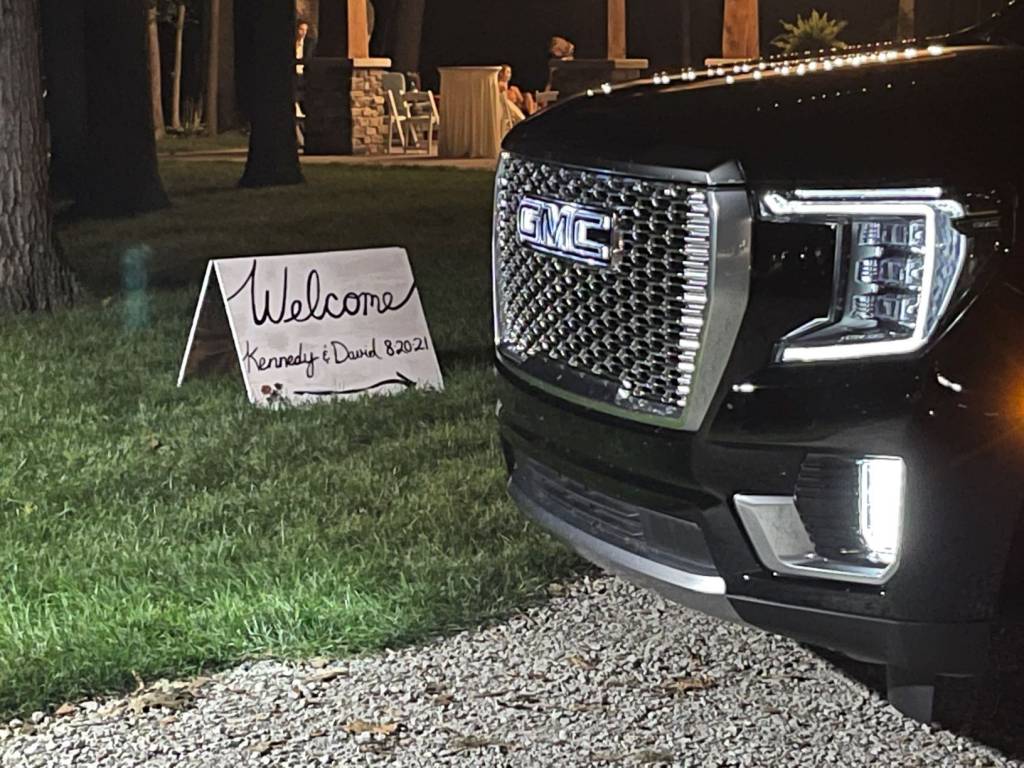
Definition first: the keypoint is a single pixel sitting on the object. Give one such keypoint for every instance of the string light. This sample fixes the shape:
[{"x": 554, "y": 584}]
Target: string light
[{"x": 826, "y": 61}]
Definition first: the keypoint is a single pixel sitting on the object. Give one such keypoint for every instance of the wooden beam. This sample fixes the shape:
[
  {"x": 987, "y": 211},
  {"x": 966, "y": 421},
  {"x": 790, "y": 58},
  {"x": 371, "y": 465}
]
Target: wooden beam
[
  {"x": 358, "y": 30},
  {"x": 741, "y": 30},
  {"x": 616, "y": 29},
  {"x": 905, "y": 21},
  {"x": 687, "y": 19}
]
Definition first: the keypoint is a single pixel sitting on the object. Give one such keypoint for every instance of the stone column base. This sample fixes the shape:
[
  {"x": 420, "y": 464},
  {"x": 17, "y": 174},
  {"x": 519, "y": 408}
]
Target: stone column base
[
  {"x": 344, "y": 106},
  {"x": 369, "y": 124}
]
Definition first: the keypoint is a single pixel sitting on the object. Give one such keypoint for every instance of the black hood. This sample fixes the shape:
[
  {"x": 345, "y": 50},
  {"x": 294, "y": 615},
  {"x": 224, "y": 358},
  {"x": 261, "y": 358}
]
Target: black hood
[{"x": 945, "y": 114}]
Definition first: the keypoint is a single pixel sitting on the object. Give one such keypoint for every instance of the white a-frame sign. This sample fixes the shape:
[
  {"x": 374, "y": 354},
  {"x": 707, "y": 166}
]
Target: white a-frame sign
[{"x": 315, "y": 326}]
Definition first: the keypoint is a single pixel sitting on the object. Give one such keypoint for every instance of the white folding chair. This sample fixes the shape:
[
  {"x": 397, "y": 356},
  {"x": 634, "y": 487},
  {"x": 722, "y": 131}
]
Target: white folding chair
[
  {"x": 398, "y": 113},
  {"x": 421, "y": 117},
  {"x": 410, "y": 113}
]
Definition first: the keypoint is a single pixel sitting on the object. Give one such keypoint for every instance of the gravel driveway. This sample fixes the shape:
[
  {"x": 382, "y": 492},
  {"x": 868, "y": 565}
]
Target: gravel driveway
[{"x": 605, "y": 674}]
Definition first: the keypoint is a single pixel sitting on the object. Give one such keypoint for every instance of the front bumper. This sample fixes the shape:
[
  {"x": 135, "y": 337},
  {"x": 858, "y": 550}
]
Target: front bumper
[
  {"x": 946, "y": 647},
  {"x": 937, "y": 610}
]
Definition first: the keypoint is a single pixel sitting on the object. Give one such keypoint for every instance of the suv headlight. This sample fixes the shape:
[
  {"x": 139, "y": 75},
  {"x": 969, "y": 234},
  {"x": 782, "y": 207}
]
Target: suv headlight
[{"x": 898, "y": 261}]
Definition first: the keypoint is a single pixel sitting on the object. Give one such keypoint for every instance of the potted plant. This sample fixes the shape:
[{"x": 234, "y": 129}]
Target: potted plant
[{"x": 816, "y": 32}]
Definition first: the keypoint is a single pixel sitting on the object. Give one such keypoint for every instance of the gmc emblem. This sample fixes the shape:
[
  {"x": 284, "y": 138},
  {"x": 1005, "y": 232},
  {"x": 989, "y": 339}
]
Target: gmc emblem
[{"x": 566, "y": 230}]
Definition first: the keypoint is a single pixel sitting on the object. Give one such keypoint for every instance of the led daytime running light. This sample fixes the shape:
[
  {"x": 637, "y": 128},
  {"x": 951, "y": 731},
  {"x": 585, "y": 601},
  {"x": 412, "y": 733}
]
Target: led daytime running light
[{"x": 933, "y": 261}]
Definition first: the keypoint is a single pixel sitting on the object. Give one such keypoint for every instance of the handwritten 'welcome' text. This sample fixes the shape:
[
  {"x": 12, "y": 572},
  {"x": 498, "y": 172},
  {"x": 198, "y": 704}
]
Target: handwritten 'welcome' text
[{"x": 315, "y": 304}]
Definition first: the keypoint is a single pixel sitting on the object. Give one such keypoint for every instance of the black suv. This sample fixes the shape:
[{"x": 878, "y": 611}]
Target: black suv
[{"x": 757, "y": 342}]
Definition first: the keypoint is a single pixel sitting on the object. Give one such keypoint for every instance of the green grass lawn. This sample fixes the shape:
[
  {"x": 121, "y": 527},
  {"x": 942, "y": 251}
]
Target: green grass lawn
[
  {"x": 150, "y": 529},
  {"x": 173, "y": 144}
]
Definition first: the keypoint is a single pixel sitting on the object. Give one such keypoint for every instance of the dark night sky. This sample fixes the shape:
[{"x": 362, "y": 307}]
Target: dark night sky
[{"x": 517, "y": 31}]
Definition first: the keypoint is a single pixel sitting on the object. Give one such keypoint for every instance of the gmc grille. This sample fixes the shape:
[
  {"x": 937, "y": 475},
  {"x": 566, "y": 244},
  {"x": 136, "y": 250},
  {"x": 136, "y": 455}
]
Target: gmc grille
[{"x": 628, "y": 335}]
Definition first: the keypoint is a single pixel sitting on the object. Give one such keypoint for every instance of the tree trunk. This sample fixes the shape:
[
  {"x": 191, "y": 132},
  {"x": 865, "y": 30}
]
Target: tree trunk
[
  {"x": 266, "y": 45},
  {"x": 122, "y": 176},
  {"x": 905, "y": 22},
  {"x": 179, "y": 45},
  {"x": 32, "y": 275},
  {"x": 156, "y": 95},
  {"x": 227, "y": 97},
  {"x": 63, "y": 25},
  {"x": 408, "y": 35},
  {"x": 212, "y": 67}
]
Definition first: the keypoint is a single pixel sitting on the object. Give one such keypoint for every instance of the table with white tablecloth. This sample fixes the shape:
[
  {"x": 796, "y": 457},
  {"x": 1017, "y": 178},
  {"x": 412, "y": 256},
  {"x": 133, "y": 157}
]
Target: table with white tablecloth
[{"x": 472, "y": 112}]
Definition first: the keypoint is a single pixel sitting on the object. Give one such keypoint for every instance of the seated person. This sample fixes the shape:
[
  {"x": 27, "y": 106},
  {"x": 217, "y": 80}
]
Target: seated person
[{"x": 522, "y": 104}]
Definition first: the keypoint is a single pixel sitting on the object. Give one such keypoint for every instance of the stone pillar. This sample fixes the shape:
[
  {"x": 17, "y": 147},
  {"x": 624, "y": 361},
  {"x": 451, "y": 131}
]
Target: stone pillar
[
  {"x": 369, "y": 125},
  {"x": 344, "y": 101},
  {"x": 345, "y": 107}
]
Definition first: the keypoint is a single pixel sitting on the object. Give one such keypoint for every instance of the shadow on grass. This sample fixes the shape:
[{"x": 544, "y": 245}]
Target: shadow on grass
[{"x": 470, "y": 357}]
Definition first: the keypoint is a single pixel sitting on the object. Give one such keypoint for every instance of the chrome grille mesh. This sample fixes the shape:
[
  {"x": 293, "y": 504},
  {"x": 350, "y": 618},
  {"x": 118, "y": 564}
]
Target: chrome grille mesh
[{"x": 635, "y": 326}]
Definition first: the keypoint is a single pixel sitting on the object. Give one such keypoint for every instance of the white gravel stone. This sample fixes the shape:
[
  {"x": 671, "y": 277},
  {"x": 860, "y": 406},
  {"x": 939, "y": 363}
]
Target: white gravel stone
[{"x": 605, "y": 674}]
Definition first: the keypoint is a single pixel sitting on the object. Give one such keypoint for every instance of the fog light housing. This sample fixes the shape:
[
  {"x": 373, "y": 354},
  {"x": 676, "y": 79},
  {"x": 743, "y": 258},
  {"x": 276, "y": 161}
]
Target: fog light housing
[{"x": 844, "y": 522}]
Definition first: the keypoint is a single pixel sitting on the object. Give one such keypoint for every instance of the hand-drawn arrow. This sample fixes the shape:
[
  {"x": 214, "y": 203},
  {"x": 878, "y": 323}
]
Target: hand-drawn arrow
[{"x": 400, "y": 379}]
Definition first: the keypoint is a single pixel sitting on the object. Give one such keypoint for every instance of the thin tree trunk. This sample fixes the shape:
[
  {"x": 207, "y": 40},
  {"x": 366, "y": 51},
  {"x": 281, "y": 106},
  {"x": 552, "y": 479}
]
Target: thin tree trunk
[
  {"x": 32, "y": 276},
  {"x": 267, "y": 51},
  {"x": 212, "y": 67},
  {"x": 905, "y": 22},
  {"x": 122, "y": 176},
  {"x": 179, "y": 44},
  {"x": 227, "y": 98},
  {"x": 156, "y": 95}
]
